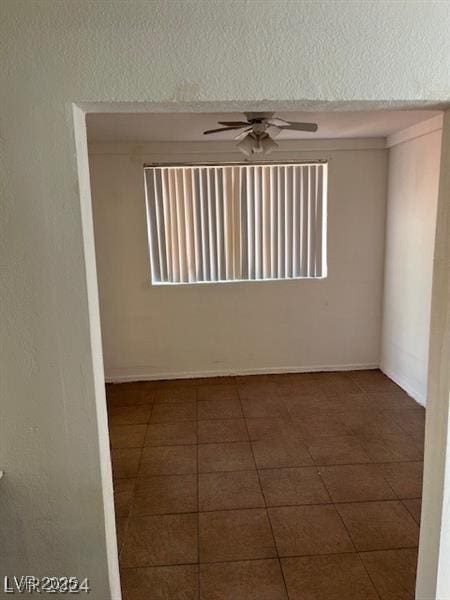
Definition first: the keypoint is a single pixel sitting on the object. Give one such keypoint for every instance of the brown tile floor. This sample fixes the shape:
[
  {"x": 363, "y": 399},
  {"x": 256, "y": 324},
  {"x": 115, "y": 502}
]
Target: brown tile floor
[{"x": 298, "y": 486}]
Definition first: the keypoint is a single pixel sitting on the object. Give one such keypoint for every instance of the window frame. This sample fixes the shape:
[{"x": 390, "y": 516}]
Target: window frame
[{"x": 244, "y": 163}]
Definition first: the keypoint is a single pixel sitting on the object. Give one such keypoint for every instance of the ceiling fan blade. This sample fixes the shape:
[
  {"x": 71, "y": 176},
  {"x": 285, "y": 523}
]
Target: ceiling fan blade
[
  {"x": 278, "y": 121},
  {"x": 234, "y": 123},
  {"x": 221, "y": 129},
  {"x": 243, "y": 133},
  {"x": 273, "y": 130},
  {"x": 299, "y": 126}
]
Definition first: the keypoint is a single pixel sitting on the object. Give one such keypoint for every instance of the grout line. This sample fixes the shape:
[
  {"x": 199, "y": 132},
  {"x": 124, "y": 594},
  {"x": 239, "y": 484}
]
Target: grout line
[
  {"x": 219, "y": 562},
  {"x": 300, "y": 466},
  {"x": 375, "y": 587},
  {"x": 397, "y": 497},
  {"x": 128, "y": 517},
  {"x": 397, "y": 549},
  {"x": 270, "y": 506},
  {"x": 349, "y": 536},
  {"x": 412, "y": 515},
  {"x": 261, "y": 489},
  {"x": 337, "y": 512},
  {"x": 262, "y": 439}
]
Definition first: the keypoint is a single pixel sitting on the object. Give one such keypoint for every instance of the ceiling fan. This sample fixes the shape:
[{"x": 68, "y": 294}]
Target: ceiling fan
[{"x": 258, "y": 129}]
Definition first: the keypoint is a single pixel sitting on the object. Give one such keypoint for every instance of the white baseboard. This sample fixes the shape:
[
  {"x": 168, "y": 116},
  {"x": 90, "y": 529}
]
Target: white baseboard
[
  {"x": 118, "y": 377},
  {"x": 419, "y": 397}
]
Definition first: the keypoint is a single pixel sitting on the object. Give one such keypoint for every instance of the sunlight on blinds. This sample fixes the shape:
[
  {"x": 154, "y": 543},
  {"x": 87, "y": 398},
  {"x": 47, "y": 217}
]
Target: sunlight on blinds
[{"x": 236, "y": 222}]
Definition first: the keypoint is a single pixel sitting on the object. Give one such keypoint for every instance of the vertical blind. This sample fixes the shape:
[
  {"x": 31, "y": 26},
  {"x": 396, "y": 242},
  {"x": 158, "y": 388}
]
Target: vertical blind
[{"x": 236, "y": 222}]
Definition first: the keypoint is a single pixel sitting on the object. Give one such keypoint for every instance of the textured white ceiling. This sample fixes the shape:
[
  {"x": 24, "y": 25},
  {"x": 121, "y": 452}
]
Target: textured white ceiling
[{"x": 172, "y": 127}]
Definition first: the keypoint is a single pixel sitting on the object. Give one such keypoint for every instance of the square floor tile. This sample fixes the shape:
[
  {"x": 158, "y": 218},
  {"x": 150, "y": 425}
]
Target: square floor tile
[
  {"x": 160, "y": 583},
  {"x": 393, "y": 572},
  {"x": 354, "y": 483},
  {"x": 272, "y": 428},
  {"x": 263, "y": 389},
  {"x": 395, "y": 400},
  {"x": 127, "y": 436},
  {"x": 304, "y": 530},
  {"x": 219, "y": 409},
  {"x": 292, "y": 486},
  {"x": 122, "y": 395},
  {"x": 310, "y": 406},
  {"x": 165, "y": 495},
  {"x": 281, "y": 452},
  {"x": 222, "y": 430},
  {"x": 245, "y": 580},
  {"x": 168, "y": 460},
  {"x": 395, "y": 447},
  {"x": 161, "y": 540},
  {"x": 235, "y": 535},
  {"x": 336, "y": 450},
  {"x": 374, "y": 381},
  {"x": 222, "y": 491},
  {"x": 176, "y": 395},
  {"x": 255, "y": 408},
  {"x": 412, "y": 422},
  {"x": 123, "y": 496},
  {"x": 334, "y": 577},
  {"x": 129, "y": 415},
  {"x": 404, "y": 478},
  {"x": 379, "y": 525},
  {"x": 338, "y": 384},
  {"x": 370, "y": 423},
  {"x": 234, "y": 456},
  {"x": 414, "y": 507},
  {"x": 125, "y": 462},
  {"x": 321, "y": 425},
  {"x": 171, "y": 434},
  {"x": 121, "y": 530},
  {"x": 353, "y": 402},
  {"x": 217, "y": 392},
  {"x": 299, "y": 384},
  {"x": 171, "y": 412}
]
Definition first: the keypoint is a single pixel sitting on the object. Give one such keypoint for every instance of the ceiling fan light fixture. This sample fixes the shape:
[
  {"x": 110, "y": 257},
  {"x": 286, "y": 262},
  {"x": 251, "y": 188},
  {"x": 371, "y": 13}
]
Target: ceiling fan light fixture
[
  {"x": 258, "y": 147},
  {"x": 267, "y": 144},
  {"x": 247, "y": 145},
  {"x": 257, "y": 144}
]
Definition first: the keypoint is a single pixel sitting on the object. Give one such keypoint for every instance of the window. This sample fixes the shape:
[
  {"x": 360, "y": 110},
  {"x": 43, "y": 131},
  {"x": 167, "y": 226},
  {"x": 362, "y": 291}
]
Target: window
[{"x": 216, "y": 223}]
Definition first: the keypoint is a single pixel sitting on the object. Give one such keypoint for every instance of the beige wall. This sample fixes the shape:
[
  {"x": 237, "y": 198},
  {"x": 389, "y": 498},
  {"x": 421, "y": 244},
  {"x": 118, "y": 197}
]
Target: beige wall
[
  {"x": 175, "y": 331},
  {"x": 410, "y": 232}
]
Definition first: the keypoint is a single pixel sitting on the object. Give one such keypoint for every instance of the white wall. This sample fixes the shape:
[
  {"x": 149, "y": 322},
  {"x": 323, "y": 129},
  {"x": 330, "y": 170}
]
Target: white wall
[
  {"x": 410, "y": 233},
  {"x": 433, "y": 580},
  {"x": 172, "y": 56},
  {"x": 190, "y": 330}
]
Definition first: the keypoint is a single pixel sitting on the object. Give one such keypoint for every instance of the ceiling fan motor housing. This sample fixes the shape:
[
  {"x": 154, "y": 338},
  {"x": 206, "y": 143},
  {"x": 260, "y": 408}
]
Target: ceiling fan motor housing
[
  {"x": 259, "y": 127},
  {"x": 258, "y": 116}
]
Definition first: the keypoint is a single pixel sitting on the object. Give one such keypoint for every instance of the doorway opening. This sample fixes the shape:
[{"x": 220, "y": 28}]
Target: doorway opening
[{"x": 266, "y": 432}]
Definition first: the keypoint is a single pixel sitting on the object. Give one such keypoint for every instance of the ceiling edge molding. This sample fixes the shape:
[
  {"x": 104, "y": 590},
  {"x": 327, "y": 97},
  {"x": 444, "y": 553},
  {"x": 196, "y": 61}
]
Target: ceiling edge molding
[
  {"x": 182, "y": 148},
  {"x": 415, "y": 131}
]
